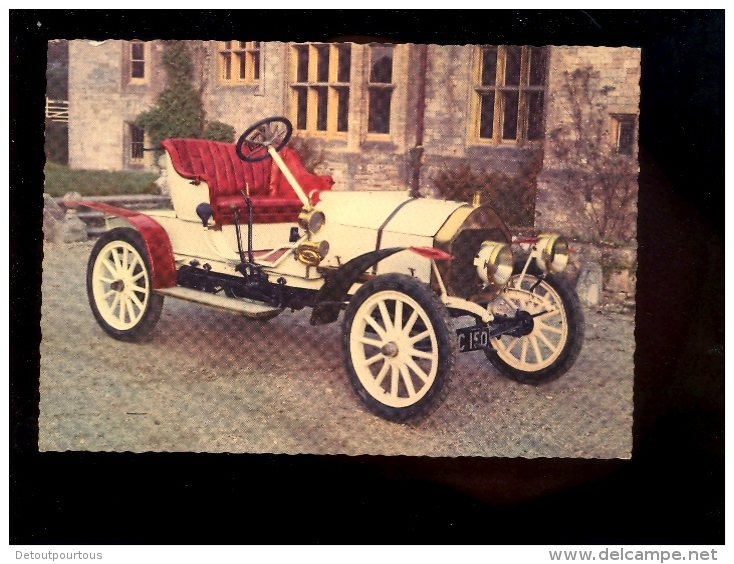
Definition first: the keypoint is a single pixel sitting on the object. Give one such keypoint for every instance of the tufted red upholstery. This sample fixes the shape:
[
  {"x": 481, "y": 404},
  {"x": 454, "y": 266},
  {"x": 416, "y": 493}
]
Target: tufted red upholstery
[
  {"x": 217, "y": 164},
  {"x": 264, "y": 209}
]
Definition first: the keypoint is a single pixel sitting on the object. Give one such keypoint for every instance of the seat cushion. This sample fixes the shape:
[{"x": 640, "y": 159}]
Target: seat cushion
[
  {"x": 264, "y": 209},
  {"x": 217, "y": 164}
]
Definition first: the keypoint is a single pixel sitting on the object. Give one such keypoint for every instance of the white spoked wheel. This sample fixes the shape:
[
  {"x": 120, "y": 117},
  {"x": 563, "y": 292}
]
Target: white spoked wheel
[
  {"x": 395, "y": 352},
  {"x": 398, "y": 346},
  {"x": 545, "y": 342},
  {"x": 547, "y": 346},
  {"x": 119, "y": 286}
]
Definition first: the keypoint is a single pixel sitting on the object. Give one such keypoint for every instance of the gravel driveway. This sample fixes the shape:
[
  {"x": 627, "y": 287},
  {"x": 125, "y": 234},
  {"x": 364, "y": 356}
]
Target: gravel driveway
[{"x": 210, "y": 381}]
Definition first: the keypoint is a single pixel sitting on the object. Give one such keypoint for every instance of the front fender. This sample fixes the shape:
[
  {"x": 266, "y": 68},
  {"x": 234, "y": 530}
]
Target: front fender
[
  {"x": 155, "y": 238},
  {"x": 336, "y": 288}
]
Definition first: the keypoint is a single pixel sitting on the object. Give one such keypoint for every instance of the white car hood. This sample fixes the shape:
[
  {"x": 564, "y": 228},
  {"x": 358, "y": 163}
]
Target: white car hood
[{"x": 371, "y": 210}]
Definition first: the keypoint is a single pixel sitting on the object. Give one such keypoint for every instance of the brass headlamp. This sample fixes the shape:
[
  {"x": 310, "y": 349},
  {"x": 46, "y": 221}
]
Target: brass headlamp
[
  {"x": 311, "y": 252},
  {"x": 311, "y": 219},
  {"x": 554, "y": 253},
  {"x": 494, "y": 263}
]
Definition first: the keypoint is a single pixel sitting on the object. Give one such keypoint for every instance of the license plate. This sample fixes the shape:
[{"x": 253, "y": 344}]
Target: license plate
[{"x": 473, "y": 338}]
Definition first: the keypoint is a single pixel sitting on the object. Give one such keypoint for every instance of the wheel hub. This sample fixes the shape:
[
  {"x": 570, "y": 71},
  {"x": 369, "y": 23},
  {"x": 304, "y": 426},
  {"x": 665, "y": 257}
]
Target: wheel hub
[
  {"x": 526, "y": 324},
  {"x": 389, "y": 349},
  {"x": 117, "y": 286}
]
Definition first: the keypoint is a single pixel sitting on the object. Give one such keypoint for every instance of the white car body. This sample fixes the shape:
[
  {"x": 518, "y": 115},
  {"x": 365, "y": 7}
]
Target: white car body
[{"x": 401, "y": 267}]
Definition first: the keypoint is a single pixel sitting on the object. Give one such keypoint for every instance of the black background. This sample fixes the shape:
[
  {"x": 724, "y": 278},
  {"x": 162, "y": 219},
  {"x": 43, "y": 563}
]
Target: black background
[{"x": 672, "y": 491}]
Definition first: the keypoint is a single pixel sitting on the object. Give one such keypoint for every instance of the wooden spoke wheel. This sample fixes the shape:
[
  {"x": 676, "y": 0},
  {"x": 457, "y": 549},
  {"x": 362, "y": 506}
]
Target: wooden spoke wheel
[
  {"x": 549, "y": 346},
  {"x": 400, "y": 346},
  {"x": 119, "y": 286}
]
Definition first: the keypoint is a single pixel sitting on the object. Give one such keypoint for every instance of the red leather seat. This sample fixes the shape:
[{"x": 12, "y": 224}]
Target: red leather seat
[
  {"x": 217, "y": 164},
  {"x": 264, "y": 209}
]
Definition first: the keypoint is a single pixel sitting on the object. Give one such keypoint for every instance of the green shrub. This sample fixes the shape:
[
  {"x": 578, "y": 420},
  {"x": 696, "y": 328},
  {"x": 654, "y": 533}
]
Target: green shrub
[
  {"x": 179, "y": 111},
  {"x": 61, "y": 179},
  {"x": 512, "y": 196},
  {"x": 218, "y": 131}
]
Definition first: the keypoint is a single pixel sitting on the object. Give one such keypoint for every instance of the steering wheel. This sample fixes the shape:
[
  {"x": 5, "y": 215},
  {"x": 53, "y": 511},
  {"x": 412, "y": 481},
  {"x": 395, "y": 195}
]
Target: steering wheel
[{"x": 273, "y": 131}]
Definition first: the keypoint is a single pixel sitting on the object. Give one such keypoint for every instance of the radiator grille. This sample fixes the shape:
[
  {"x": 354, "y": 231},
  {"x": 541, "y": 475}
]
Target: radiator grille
[{"x": 464, "y": 281}]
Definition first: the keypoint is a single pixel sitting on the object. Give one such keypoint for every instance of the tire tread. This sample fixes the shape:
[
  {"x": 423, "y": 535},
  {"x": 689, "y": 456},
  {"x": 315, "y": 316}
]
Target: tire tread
[
  {"x": 444, "y": 332},
  {"x": 142, "y": 331},
  {"x": 576, "y": 329}
]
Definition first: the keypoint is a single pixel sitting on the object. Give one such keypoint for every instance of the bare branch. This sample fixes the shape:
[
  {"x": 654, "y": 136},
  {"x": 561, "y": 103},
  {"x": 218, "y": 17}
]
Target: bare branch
[{"x": 602, "y": 182}]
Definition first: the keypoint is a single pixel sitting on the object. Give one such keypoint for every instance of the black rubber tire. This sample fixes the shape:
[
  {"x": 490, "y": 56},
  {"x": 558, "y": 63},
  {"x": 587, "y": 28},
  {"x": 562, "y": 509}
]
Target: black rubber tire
[
  {"x": 446, "y": 345},
  {"x": 153, "y": 307},
  {"x": 574, "y": 341}
]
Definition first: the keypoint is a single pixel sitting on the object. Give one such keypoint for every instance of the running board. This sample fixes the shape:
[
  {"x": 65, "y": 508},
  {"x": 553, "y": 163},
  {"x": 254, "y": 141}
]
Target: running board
[{"x": 235, "y": 305}]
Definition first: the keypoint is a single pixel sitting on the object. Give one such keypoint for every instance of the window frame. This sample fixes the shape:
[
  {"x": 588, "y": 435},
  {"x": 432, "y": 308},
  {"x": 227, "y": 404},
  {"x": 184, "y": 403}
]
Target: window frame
[
  {"x": 312, "y": 84},
  {"x": 369, "y": 86},
  {"x": 251, "y": 54},
  {"x": 129, "y": 161},
  {"x": 524, "y": 88},
  {"x": 131, "y": 62},
  {"x": 618, "y": 120}
]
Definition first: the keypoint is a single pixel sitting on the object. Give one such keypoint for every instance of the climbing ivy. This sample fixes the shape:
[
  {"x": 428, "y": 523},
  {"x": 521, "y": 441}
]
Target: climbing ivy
[
  {"x": 179, "y": 110},
  {"x": 218, "y": 131}
]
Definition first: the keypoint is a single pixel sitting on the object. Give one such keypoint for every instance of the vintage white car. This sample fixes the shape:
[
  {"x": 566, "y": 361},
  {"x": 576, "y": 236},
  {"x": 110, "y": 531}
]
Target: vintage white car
[{"x": 419, "y": 279}]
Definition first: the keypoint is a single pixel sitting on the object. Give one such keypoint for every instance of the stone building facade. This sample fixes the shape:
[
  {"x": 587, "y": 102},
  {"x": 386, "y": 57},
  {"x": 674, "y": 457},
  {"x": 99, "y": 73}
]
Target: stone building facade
[
  {"x": 386, "y": 116},
  {"x": 106, "y": 97},
  {"x": 614, "y": 85}
]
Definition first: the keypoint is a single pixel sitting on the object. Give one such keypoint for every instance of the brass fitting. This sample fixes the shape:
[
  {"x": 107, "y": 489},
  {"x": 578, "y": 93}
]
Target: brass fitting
[{"x": 311, "y": 253}]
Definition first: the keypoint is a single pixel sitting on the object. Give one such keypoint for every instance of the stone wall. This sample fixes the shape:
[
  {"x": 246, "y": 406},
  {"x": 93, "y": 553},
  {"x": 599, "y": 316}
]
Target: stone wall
[
  {"x": 359, "y": 160},
  {"x": 619, "y": 75},
  {"x": 448, "y": 109},
  {"x": 102, "y": 101},
  {"x": 615, "y": 266},
  {"x": 243, "y": 104},
  {"x": 619, "y": 69}
]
